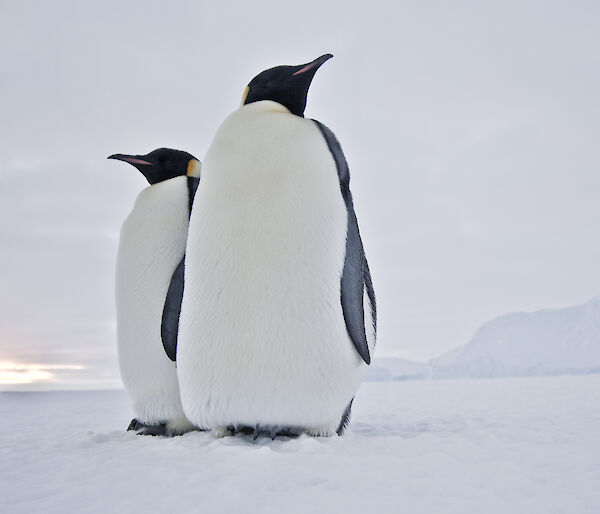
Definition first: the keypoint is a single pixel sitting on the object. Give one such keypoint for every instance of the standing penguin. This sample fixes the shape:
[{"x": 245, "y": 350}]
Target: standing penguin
[
  {"x": 273, "y": 333},
  {"x": 151, "y": 245}
]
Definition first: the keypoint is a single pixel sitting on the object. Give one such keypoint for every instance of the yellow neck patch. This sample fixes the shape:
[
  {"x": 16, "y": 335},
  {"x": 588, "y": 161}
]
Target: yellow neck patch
[
  {"x": 245, "y": 95},
  {"x": 193, "y": 168}
]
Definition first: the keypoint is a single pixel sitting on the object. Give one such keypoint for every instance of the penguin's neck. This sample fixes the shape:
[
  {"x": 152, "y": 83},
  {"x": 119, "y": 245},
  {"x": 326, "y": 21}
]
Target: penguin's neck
[
  {"x": 264, "y": 106},
  {"x": 162, "y": 192},
  {"x": 260, "y": 146}
]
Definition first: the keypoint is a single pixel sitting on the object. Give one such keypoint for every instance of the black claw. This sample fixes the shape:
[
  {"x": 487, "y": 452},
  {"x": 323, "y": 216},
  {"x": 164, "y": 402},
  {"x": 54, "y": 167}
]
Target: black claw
[{"x": 134, "y": 425}]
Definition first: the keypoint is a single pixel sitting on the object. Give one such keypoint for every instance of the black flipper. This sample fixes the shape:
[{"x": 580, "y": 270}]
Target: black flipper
[
  {"x": 169, "y": 327},
  {"x": 356, "y": 275}
]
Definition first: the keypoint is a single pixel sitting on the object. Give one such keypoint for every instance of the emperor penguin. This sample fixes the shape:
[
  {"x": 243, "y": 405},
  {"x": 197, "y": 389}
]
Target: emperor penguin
[
  {"x": 151, "y": 246},
  {"x": 278, "y": 319}
]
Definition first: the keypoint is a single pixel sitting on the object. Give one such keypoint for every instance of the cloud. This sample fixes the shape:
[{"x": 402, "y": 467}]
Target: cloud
[{"x": 13, "y": 373}]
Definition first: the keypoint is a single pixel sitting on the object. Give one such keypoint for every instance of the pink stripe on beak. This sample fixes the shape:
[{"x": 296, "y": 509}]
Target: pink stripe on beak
[
  {"x": 133, "y": 160},
  {"x": 306, "y": 68}
]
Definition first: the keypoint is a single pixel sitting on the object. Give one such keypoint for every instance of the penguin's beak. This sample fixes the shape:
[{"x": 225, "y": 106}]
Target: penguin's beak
[
  {"x": 131, "y": 159},
  {"x": 313, "y": 66}
]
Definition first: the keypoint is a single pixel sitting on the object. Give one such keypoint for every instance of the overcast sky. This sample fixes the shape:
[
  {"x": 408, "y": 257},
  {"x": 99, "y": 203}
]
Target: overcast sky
[{"x": 471, "y": 128}]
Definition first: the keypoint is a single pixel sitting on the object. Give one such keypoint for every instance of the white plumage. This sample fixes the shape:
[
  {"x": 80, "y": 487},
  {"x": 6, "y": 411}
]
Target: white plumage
[
  {"x": 262, "y": 335},
  {"x": 151, "y": 245}
]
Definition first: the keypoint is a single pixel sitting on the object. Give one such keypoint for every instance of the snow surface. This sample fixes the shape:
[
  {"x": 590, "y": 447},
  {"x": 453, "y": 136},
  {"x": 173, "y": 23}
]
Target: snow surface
[{"x": 519, "y": 445}]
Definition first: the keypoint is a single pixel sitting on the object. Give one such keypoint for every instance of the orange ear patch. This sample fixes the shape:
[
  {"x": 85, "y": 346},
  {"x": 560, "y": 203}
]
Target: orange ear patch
[
  {"x": 193, "y": 168},
  {"x": 245, "y": 95}
]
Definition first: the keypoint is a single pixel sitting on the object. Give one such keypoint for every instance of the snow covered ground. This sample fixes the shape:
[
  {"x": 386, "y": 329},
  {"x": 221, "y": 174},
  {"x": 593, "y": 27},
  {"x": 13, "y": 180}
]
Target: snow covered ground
[{"x": 519, "y": 445}]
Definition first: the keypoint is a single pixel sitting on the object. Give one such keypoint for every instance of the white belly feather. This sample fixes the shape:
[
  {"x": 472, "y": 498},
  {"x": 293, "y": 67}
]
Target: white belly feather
[
  {"x": 151, "y": 245},
  {"x": 262, "y": 335}
]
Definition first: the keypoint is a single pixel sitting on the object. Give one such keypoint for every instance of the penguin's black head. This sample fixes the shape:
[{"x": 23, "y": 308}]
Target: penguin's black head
[
  {"x": 287, "y": 85},
  {"x": 162, "y": 164}
]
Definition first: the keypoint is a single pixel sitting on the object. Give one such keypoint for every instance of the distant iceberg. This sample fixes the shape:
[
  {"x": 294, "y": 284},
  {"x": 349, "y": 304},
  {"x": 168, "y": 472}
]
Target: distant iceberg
[{"x": 547, "y": 342}]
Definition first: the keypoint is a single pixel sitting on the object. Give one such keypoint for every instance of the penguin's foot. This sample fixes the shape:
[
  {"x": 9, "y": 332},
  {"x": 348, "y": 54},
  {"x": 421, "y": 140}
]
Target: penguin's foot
[
  {"x": 146, "y": 429},
  {"x": 154, "y": 430},
  {"x": 289, "y": 432},
  {"x": 271, "y": 431},
  {"x": 134, "y": 425}
]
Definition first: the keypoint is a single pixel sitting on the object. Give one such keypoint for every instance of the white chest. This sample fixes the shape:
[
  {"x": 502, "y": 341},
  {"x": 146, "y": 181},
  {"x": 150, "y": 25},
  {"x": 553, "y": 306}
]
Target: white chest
[
  {"x": 151, "y": 244},
  {"x": 262, "y": 326}
]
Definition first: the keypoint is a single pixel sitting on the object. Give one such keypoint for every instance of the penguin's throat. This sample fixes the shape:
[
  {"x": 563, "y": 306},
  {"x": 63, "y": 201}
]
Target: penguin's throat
[{"x": 266, "y": 106}]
